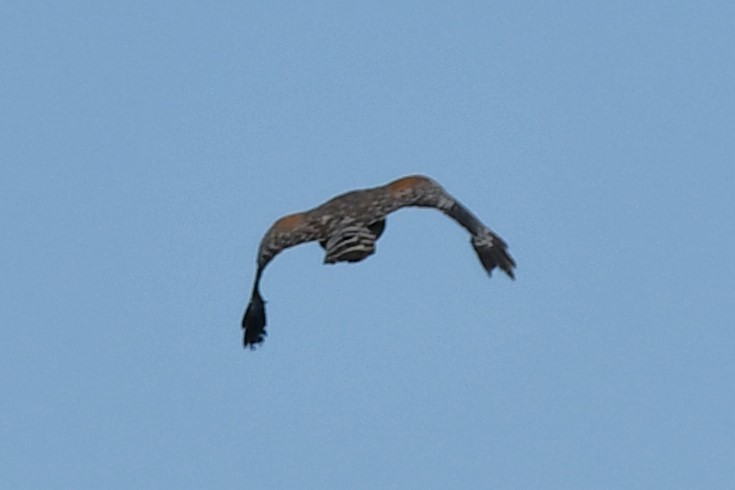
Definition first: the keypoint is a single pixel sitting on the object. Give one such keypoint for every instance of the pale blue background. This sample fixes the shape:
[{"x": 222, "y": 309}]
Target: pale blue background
[{"x": 147, "y": 146}]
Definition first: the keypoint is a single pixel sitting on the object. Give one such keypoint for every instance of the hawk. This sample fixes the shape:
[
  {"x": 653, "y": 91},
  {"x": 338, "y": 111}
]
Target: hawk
[{"x": 347, "y": 227}]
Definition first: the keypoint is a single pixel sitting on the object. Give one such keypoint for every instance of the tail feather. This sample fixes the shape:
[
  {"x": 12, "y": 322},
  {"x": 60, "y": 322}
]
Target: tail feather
[{"x": 352, "y": 243}]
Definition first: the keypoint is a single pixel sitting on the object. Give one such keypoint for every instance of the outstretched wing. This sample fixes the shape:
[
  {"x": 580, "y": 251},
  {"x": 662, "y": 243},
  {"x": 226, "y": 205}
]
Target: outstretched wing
[
  {"x": 286, "y": 232},
  {"x": 422, "y": 191}
]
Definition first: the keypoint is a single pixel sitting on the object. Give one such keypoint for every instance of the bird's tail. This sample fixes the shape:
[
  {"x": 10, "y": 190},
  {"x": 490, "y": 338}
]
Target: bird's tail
[
  {"x": 352, "y": 243},
  {"x": 491, "y": 250}
]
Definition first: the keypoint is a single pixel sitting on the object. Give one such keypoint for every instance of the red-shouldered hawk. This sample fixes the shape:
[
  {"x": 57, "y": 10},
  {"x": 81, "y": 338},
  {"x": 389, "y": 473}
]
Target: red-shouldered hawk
[{"x": 348, "y": 226}]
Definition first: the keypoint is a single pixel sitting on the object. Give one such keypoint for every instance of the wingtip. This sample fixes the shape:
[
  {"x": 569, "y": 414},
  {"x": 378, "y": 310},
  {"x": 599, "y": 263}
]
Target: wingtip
[
  {"x": 508, "y": 265},
  {"x": 253, "y": 322},
  {"x": 492, "y": 253},
  {"x": 509, "y": 271}
]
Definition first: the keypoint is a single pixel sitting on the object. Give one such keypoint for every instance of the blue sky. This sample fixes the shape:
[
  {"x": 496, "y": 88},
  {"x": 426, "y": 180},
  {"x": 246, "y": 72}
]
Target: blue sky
[{"x": 146, "y": 148}]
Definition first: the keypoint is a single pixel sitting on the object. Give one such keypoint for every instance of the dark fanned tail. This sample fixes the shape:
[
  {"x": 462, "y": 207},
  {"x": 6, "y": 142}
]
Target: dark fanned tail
[
  {"x": 491, "y": 251},
  {"x": 352, "y": 243},
  {"x": 253, "y": 322}
]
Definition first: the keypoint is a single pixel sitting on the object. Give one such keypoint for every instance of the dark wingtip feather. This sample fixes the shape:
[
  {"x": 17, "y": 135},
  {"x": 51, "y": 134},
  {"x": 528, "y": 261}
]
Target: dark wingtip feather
[
  {"x": 253, "y": 322},
  {"x": 491, "y": 251}
]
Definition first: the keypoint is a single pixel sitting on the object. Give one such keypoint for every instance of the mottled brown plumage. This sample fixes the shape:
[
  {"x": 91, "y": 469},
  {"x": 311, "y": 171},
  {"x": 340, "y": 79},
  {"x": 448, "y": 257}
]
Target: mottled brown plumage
[{"x": 347, "y": 227}]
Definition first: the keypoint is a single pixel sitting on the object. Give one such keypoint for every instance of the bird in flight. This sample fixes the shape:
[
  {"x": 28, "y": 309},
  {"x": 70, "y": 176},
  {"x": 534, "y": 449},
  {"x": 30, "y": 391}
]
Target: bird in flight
[{"x": 347, "y": 227}]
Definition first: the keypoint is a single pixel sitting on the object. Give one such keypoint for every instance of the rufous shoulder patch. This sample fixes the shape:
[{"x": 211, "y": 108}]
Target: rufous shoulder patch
[
  {"x": 288, "y": 223},
  {"x": 405, "y": 183}
]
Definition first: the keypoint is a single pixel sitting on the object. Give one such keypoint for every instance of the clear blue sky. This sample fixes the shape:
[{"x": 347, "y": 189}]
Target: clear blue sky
[{"x": 147, "y": 146}]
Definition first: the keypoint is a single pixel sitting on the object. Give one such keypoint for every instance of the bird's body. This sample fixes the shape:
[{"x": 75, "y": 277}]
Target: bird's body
[{"x": 347, "y": 227}]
